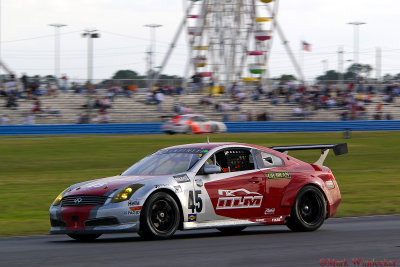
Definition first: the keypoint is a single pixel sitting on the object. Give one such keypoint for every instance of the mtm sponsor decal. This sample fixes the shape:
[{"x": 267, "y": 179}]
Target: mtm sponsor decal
[
  {"x": 238, "y": 199},
  {"x": 278, "y": 175}
]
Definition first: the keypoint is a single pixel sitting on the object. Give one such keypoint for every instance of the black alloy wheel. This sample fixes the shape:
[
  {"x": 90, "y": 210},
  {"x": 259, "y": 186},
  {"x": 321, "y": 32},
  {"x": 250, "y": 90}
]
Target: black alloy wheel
[
  {"x": 309, "y": 210},
  {"x": 160, "y": 217}
]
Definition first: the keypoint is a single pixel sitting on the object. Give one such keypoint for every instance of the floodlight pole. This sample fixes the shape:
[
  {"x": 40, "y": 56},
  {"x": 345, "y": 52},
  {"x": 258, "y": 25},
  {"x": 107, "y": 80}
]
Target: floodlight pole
[
  {"x": 151, "y": 52},
  {"x": 57, "y": 57},
  {"x": 90, "y": 35},
  {"x": 356, "y": 25}
]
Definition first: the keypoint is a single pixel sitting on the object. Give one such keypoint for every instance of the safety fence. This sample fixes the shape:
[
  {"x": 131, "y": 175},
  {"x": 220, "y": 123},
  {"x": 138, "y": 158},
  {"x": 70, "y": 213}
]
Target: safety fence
[{"x": 233, "y": 127}]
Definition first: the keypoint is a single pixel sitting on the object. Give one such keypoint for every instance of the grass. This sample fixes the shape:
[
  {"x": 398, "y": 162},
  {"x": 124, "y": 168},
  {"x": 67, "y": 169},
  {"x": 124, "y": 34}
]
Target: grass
[{"x": 33, "y": 170}]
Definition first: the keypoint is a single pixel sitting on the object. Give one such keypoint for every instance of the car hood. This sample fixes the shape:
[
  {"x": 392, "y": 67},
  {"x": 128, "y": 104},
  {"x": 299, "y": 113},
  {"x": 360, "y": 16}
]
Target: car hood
[{"x": 107, "y": 185}]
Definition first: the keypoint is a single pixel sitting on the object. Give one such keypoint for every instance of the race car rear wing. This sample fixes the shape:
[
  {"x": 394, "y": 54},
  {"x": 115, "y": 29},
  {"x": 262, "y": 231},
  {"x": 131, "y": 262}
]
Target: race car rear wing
[{"x": 338, "y": 149}]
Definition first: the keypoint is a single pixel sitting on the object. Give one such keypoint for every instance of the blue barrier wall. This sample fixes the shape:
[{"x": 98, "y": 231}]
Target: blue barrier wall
[{"x": 233, "y": 127}]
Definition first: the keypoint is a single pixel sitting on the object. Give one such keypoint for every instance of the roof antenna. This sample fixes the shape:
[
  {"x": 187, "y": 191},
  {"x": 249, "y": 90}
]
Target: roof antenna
[{"x": 208, "y": 140}]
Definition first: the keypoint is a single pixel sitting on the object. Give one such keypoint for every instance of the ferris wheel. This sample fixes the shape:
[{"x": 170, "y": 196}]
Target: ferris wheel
[{"x": 230, "y": 40}]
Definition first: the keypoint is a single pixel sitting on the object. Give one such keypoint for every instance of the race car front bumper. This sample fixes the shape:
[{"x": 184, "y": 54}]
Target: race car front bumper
[{"x": 114, "y": 218}]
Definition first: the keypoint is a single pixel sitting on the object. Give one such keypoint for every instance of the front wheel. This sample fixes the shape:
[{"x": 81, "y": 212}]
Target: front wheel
[
  {"x": 309, "y": 210},
  {"x": 160, "y": 217},
  {"x": 84, "y": 237}
]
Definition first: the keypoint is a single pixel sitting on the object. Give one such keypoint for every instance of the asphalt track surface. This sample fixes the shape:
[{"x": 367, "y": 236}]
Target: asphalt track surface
[{"x": 339, "y": 242}]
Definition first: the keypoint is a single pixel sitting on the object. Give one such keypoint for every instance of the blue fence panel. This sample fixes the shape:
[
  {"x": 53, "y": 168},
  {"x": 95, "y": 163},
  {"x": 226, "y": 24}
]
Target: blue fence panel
[
  {"x": 311, "y": 126},
  {"x": 233, "y": 127},
  {"x": 67, "y": 129}
]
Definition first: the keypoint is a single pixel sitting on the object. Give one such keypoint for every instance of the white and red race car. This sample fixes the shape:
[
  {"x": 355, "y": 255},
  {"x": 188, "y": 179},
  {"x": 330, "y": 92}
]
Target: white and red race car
[
  {"x": 192, "y": 123},
  {"x": 228, "y": 186}
]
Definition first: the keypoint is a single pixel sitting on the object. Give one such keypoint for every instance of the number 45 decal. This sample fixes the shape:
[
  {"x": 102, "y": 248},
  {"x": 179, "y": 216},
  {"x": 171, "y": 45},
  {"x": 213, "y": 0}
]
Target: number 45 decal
[{"x": 195, "y": 201}]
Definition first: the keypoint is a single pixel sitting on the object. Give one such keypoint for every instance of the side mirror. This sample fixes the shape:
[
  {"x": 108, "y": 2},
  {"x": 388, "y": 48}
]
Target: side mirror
[{"x": 210, "y": 169}]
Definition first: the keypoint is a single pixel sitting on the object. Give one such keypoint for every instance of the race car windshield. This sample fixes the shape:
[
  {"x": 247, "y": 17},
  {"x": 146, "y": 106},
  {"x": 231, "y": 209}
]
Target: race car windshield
[{"x": 168, "y": 161}]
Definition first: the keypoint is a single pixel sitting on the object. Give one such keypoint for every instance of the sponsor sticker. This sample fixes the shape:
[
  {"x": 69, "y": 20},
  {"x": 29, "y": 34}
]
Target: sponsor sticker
[
  {"x": 238, "y": 199},
  {"x": 192, "y": 217},
  {"x": 133, "y": 203},
  {"x": 269, "y": 211},
  {"x": 161, "y": 185},
  {"x": 278, "y": 175},
  {"x": 277, "y": 219},
  {"x": 131, "y": 212},
  {"x": 182, "y": 178},
  {"x": 199, "y": 182},
  {"x": 178, "y": 189}
]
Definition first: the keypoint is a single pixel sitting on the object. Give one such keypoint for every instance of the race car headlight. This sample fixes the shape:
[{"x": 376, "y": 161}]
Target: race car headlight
[
  {"x": 58, "y": 199},
  {"x": 126, "y": 193}
]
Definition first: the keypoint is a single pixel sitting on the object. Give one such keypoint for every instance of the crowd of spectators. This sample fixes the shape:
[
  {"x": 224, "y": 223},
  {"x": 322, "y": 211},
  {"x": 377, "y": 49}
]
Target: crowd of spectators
[{"x": 349, "y": 101}]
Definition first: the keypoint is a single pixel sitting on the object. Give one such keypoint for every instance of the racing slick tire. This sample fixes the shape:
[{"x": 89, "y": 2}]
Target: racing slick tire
[
  {"x": 214, "y": 128},
  {"x": 84, "y": 237},
  {"x": 160, "y": 217},
  {"x": 309, "y": 210},
  {"x": 231, "y": 230}
]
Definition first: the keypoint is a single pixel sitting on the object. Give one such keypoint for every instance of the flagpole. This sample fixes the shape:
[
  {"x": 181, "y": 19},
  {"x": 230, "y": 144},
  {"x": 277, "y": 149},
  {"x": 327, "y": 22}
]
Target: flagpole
[{"x": 301, "y": 59}]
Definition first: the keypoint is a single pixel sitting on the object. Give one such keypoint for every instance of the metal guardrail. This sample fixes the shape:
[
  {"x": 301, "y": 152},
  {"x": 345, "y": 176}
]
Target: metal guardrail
[{"x": 233, "y": 127}]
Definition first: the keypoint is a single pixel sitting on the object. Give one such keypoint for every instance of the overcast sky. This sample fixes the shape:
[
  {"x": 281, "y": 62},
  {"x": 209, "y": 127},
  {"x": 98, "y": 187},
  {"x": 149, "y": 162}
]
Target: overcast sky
[{"x": 27, "y": 42}]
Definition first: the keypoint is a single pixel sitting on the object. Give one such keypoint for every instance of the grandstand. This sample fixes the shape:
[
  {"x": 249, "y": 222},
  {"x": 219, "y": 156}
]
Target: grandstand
[{"x": 66, "y": 107}]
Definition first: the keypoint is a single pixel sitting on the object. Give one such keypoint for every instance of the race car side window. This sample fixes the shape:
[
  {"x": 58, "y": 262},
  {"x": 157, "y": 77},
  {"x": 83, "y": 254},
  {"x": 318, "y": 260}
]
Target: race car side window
[
  {"x": 268, "y": 160},
  {"x": 232, "y": 160}
]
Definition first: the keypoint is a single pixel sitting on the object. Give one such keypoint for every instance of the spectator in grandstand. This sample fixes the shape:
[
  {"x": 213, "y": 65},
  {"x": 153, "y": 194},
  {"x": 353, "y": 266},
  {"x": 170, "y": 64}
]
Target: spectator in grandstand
[
  {"x": 255, "y": 96},
  {"x": 64, "y": 83},
  {"x": 37, "y": 106},
  {"x": 178, "y": 90},
  {"x": 83, "y": 118},
  {"x": 48, "y": 110},
  {"x": 298, "y": 112},
  {"x": 11, "y": 102},
  {"x": 11, "y": 87},
  {"x": 249, "y": 116},
  {"x": 112, "y": 92},
  {"x": 159, "y": 98},
  {"x": 150, "y": 98},
  {"x": 103, "y": 116},
  {"x": 206, "y": 100},
  {"x": 24, "y": 82},
  {"x": 242, "y": 117},
  {"x": 234, "y": 89},
  {"x": 28, "y": 119},
  {"x": 260, "y": 90},
  {"x": 104, "y": 103},
  {"x": 52, "y": 89},
  {"x": 4, "y": 119},
  {"x": 126, "y": 91},
  {"x": 197, "y": 79}
]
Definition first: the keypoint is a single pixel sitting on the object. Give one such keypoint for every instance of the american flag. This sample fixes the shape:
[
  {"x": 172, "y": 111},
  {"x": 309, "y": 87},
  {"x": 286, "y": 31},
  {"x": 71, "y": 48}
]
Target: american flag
[{"x": 305, "y": 46}]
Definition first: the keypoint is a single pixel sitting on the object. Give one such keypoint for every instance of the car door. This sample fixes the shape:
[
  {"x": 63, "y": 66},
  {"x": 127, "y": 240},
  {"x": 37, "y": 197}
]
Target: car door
[
  {"x": 277, "y": 177},
  {"x": 237, "y": 192}
]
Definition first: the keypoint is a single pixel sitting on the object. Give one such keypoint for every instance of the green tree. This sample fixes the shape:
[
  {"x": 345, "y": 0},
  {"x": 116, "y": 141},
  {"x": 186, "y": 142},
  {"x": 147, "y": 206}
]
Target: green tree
[
  {"x": 286, "y": 78},
  {"x": 330, "y": 75},
  {"x": 360, "y": 70},
  {"x": 126, "y": 74}
]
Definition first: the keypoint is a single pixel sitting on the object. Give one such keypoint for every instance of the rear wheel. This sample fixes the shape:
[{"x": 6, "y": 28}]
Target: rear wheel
[
  {"x": 160, "y": 217},
  {"x": 84, "y": 237},
  {"x": 214, "y": 128},
  {"x": 189, "y": 130},
  {"x": 231, "y": 230},
  {"x": 309, "y": 210}
]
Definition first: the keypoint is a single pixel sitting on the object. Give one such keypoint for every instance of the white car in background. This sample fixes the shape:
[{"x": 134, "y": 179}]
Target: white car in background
[{"x": 192, "y": 123}]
